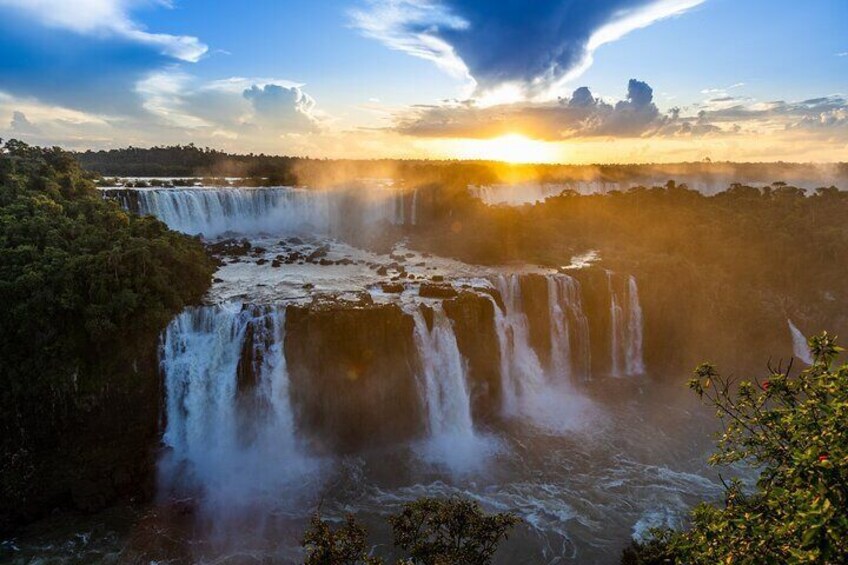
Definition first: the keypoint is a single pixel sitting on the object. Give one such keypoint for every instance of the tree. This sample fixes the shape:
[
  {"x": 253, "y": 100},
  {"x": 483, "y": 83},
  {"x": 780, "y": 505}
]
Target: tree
[
  {"x": 342, "y": 546},
  {"x": 793, "y": 428},
  {"x": 437, "y": 531}
]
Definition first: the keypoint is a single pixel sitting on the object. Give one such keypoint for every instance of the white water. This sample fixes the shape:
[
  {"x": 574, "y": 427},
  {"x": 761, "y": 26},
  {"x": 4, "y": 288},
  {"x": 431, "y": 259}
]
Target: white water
[
  {"x": 443, "y": 380},
  {"x": 633, "y": 361},
  {"x": 521, "y": 371},
  {"x": 626, "y": 327},
  {"x": 570, "y": 347},
  {"x": 616, "y": 328},
  {"x": 443, "y": 385},
  {"x": 213, "y": 212},
  {"x": 800, "y": 347},
  {"x": 549, "y": 402},
  {"x": 236, "y": 450}
]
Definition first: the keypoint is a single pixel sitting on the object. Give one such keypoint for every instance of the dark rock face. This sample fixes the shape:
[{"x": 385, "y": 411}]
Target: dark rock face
[
  {"x": 353, "y": 373},
  {"x": 473, "y": 318}
]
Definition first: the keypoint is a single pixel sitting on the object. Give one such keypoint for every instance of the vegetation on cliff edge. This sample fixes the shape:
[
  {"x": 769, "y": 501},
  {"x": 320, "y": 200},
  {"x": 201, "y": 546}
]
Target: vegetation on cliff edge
[{"x": 84, "y": 287}]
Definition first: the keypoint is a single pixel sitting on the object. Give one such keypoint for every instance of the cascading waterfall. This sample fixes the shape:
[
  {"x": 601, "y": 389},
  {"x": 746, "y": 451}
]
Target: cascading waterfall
[
  {"x": 626, "y": 326},
  {"x": 521, "y": 371},
  {"x": 213, "y": 212},
  {"x": 616, "y": 328},
  {"x": 570, "y": 347},
  {"x": 549, "y": 402},
  {"x": 444, "y": 389},
  {"x": 231, "y": 444},
  {"x": 414, "y": 212},
  {"x": 800, "y": 347},
  {"x": 443, "y": 383},
  {"x": 634, "y": 361}
]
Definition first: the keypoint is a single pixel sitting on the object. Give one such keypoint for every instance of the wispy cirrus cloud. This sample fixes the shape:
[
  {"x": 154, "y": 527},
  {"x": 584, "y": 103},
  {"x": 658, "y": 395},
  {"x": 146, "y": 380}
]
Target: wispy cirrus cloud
[{"x": 527, "y": 48}]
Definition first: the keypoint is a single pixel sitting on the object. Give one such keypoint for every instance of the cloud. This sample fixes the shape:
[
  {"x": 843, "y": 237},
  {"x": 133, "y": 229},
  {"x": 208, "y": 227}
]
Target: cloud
[
  {"x": 530, "y": 47},
  {"x": 234, "y": 107},
  {"x": 21, "y": 125},
  {"x": 87, "y": 54},
  {"x": 103, "y": 18},
  {"x": 584, "y": 116},
  {"x": 281, "y": 107}
]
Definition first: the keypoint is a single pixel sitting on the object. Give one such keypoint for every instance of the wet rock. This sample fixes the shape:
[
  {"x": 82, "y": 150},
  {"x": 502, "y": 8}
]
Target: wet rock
[
  {"x": 430, "y": 290},
  {"x": 276, "y": 263},
  {"x": 318, "y": 253},
  {"x": 392, "y": 288},
  {"x": 437, "y": 278},
  {"x": 229, "y": 247},
  {"x": 382, "y": 271},
  {"x": 262, "y": 261}
]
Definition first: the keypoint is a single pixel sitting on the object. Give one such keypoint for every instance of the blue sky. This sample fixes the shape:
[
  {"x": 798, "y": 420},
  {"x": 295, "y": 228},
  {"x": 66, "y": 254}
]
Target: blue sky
[{"x": 751, "y": 79}]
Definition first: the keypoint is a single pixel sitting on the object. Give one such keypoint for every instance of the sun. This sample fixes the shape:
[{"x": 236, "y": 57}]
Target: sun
[{"x": 511, "y": 148}]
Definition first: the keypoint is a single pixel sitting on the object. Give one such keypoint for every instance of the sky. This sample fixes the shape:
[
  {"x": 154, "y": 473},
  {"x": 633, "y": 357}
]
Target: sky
[{"x": 573, "y": 81}]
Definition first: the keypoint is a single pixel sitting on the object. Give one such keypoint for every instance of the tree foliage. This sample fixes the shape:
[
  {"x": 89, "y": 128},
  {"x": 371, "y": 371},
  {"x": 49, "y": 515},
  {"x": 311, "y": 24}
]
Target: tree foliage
[
  {"x": 430, "y": 531},
  {"x": 793, "y": 429},
  {"x": 345, "y": 545},
  {"x": 84, "y": 286}
]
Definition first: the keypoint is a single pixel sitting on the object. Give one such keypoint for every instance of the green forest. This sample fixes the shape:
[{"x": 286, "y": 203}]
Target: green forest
[{"x": 86, "y": 289}]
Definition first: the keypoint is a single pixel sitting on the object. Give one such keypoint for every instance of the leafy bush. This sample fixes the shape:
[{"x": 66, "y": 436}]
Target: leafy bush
[{"x": 793, "y": 428}]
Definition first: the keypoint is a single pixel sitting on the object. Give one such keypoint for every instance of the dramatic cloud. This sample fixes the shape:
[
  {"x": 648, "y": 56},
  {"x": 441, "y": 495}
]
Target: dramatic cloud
[
  {"x": 530, "y": 46},
  {"x": 636, "y": 116}
]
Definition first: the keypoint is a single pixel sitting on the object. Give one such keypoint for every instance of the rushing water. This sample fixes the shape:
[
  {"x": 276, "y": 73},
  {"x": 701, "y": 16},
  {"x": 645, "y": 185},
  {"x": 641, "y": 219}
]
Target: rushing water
[
  {"x": 233, "y": 447},
  {"x": 213, "y": 212}
]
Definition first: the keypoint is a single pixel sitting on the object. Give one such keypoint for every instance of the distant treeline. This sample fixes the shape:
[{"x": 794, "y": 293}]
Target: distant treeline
[{"x": 192, "y": 161}]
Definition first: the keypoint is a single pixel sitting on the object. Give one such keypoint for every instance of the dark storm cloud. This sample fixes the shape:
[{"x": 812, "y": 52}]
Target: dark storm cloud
[{"x": 510, "y": 41}]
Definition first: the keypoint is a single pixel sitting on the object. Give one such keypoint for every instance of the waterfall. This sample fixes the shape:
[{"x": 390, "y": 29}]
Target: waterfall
[
  {"x": 443, "y": 384},
  {"x": 634, "y": 362},
  {"x": 800, "y": 347},
  {"x": 570, "y": 347},
  {"x": 626, "y": 327},
  {"x": 400, "y": 212},
  {"x": 414, "y": 212},
  {"x": 521, "y": 371},
  {"x": 616, "y": 329},
  {"x": 231, "y": 443},
  {"x": 213, "y": 212}
]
